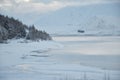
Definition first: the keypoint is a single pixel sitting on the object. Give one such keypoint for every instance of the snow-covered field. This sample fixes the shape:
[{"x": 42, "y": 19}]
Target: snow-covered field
[{"x": 66, "y": 58}]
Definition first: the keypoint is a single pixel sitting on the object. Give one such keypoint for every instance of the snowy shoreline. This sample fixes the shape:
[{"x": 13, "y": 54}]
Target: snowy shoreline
[{"x": 46, "y": 60}]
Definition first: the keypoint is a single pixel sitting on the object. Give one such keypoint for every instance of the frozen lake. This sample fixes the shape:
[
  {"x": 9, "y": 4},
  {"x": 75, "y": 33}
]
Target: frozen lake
[
  {"x": 101, "y": 51},
  {"x": 65, "y": 58}
]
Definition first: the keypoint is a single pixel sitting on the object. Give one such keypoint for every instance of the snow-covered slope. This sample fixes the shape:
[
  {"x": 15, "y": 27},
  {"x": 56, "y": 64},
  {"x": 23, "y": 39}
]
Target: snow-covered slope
[
  {"x": 101, "y": 26},
  {"x": 96, "y": 25},
  {"x": 103, "y": 19}
]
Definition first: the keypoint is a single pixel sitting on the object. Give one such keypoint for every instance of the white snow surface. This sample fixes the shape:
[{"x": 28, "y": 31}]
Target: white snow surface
[{"x": 21, "y": 60}]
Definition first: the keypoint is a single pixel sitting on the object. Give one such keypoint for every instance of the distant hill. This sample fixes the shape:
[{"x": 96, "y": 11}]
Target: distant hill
[
  {"x": 12, "y": 28},
  {"x": 99, "y": 19}
]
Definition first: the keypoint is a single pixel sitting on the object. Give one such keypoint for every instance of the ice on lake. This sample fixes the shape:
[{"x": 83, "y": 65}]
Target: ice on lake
[{"x": 65, "y": 58}]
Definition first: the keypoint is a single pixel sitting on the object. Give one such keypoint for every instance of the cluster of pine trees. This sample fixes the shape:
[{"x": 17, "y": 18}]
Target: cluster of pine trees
[
  {"x": 35, "y": 34},
  {"x": 12, "y": 28}
]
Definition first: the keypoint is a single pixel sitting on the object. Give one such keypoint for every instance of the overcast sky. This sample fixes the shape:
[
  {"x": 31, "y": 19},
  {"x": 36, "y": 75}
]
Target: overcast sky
[{"x": 44, "y": 6}]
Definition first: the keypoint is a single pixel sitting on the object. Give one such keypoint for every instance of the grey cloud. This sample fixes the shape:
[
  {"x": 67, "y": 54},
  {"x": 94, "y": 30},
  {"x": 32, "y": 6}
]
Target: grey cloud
[{"x": 43, "y": 6}]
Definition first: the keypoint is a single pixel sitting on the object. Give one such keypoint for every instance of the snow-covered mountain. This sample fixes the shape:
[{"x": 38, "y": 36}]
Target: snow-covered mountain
[
  {"x": 103, "y": 19},
  {"x": 101, "y": 26},
  {"x": 100, "y": 19}
]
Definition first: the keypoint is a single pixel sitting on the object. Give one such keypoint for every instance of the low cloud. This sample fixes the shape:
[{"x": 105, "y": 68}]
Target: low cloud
[
  {"x": 27, "y": 6},
  {"x": 43, "y": 6}
]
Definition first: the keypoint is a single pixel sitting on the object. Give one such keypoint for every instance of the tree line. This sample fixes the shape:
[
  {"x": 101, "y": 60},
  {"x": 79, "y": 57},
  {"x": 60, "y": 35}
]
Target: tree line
[{"x": 13, "y": 28}]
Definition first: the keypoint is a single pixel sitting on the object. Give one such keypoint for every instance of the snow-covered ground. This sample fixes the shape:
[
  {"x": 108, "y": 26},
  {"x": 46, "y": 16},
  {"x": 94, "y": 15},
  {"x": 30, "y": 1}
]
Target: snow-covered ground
[
  {"x": 15, "y": 49},
  {"x": 73, "y": 58}
]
